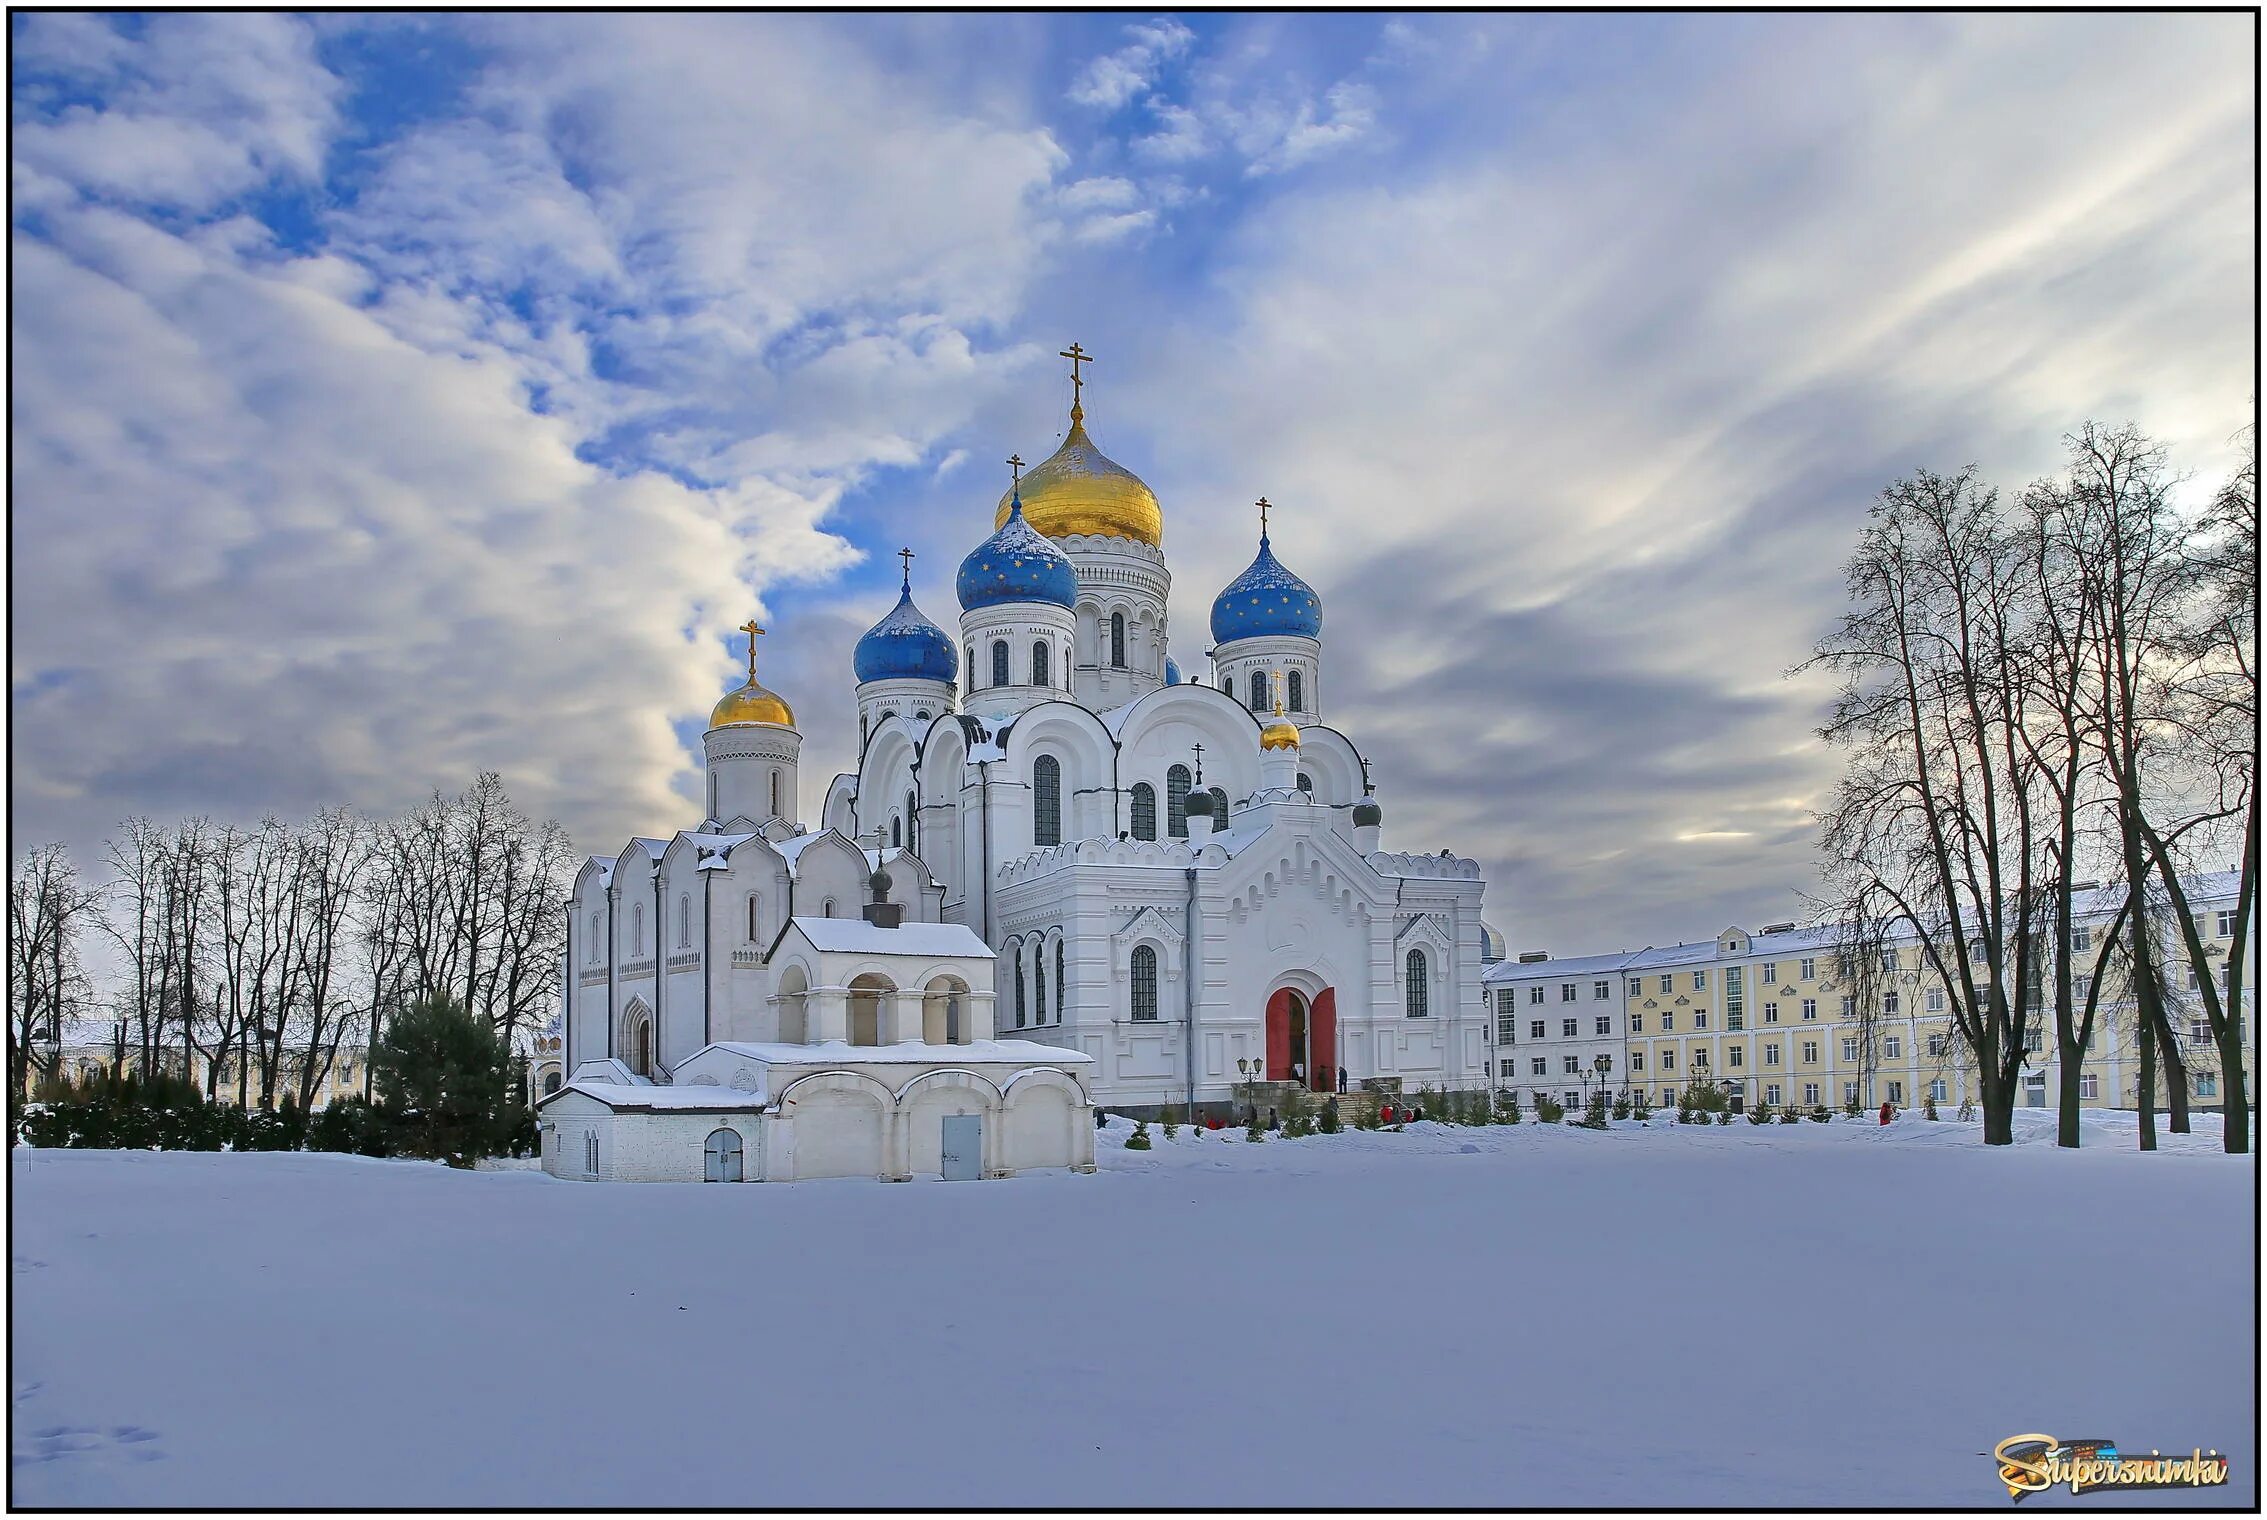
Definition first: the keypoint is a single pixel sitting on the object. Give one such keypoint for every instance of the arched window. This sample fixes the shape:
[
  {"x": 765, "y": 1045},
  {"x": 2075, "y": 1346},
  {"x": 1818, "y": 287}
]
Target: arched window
[
  {"x": 1046, "y": 801},
  {"x": 1219, "y": 808},
  {"x": 913, "y": 822},
  {"x": 999, "y": 662},
  {"x": 1058, "y": 981},
  {"x": 864, "y": 732},
  {"x": 755, "y": 907},
  {"x": 1039, "y": 676},
  {"x": 596, "y": 938},
  {"x": 775, "y": 793},
  {"x": 645, "y": 1047},
  {"x": 921, "y": 713},
  {"x": 637, "y": 929},
  {"x": 1418, "y": 996},
  {"x": 1294, "y": 692},
  {"x": 896, "y": 833},
  {"x": 1145, "y": 983},
  {"x": 550, "y": 1081},
  {"x": 1259, "y": 691},
  {"x": 826, "y": 909},
  {"x": 1118, "y": 640},
  {"x": 1306, "y": 782},
  {"x": 969, "y": 665},
  {"x": 1144, "y": 811},
  {"x": 1039, "y": 982},
  {"x": 1019, "y": 1014},
  {"x": 1177, "y": 802},
  {"x": 684, "y": 921}
]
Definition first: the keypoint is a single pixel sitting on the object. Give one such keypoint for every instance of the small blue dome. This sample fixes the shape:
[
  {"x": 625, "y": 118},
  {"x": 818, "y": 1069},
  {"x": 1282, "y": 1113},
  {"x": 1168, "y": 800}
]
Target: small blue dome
[
  {"x": 1172, "y": 672},
  {"x": 905, "y": 646},
  {"x": 1266, "y": 599},
  {"x": 1016, "y": 564}
]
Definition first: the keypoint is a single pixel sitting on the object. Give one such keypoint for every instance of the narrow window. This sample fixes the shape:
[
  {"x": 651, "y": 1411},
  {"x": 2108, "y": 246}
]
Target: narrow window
[
  {"x": 1219, "y": 808},
  {"x": 1039, "y": 982},
  {"x": 1295, "y": 692},
  {"x": 1019, "y": 1006},
  {"x": 596, "y": 939},
  {"x": 969, "y": 665},
  {"x": 1058, "y": 981},
  {"x": 913, "y": 822},
  {"x": 1418, "y": 999},
  {"x": 1046, "y": 801},
  {"x": 1177, "y": 802},
  {"x": 645, "y": 1048},
  {"x": 896, "y": 833},
  {"x": 1259, "y": 691},
  {"x": 1144, "y": 811},
  {"x": 1118, "y": 640},
  {"x": 1039, "y": 676},
  {"x": 1144, "y": 983},
  {"x": 999, "y": 662},
  {"x": 684, "y": 921},
  {"x": 754, "y": 906},
  {"x": 775, "y": 793},
  {"x": 637, "y": 929}
]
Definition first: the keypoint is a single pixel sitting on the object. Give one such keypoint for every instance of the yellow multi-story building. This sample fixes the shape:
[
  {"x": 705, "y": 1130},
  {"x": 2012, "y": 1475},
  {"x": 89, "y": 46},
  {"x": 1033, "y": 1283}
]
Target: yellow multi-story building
[{"x": 1776, "y": 1017}]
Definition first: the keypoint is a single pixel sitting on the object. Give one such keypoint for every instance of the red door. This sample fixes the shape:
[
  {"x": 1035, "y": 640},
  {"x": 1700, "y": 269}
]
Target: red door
[
  {"x": 1279, "y": 1052},
  {"x": 1322, "y": 1024}
]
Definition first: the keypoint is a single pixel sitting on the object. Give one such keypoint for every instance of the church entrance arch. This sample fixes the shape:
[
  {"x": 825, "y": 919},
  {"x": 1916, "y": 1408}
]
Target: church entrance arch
[
  {"x": 866, "y": 994},
  {"x": 1302, "y": 1038}
]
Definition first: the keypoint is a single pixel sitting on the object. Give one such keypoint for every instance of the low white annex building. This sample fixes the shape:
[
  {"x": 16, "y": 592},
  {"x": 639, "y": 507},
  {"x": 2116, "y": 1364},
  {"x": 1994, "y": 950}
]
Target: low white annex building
[{"x": 880, "y": 1064}]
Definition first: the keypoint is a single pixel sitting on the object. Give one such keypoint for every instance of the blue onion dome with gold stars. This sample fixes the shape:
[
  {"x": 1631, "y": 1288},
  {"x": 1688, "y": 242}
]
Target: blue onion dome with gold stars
[
  {"x": 1172, "y": 672},
  {"x": 1266, "y": 599},
  {"x": 1016, "y": 564},
  {"x": 905, "y": 646}
]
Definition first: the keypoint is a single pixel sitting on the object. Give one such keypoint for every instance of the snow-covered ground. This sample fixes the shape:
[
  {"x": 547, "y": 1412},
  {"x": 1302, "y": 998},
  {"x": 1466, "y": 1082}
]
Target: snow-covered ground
[{"x": 1826, "y": 1315}]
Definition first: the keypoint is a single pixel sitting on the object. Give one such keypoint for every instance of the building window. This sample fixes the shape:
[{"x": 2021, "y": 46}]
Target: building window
[
  {"x": 1144, "y": 983},
  {"x": 1771, "y": 1094},
  {"x": 1936, "y": 1047},
  {"x": 1058, "y": 981},
  {"x": 1144, "y": 811},
  {"x": 1039, "y": 983},
  {"x": 1177, "y": 803},
  {"x": 1668, "y": 1022},
  {"x": 1889, "y": 1002},
  {"x": 1039, "y": 672},
  {"x": 1601, "y": 990},
  {"x": 596, "y": 939},
  {"x": 1568, "y": 992},
  {"x": 1771, "y": 1053},
  {"x": 1669, "y": 1060},
  {"x": 1535, "y": 993},
  {"x": 896, "y": 831},
  {"x": 1020, "y": 1008},
  {"x": 1046, "y": 801},
  {"x": 999, "y": 662},
  {"x": 1700, "y": 1018},
  {"x": 755, "y": 909},
  {"x": 590, "y": 1152},
  {"x": 969, "y": 665},
  {"x": 2225, "y": 924},
  {"x": 1295, "y": 694},
  {"x": 1637, "y": 1060},
  {"x": 775, "y": 794},
  {"x": 1566, "y": 1028},
  {"x": 2033, "y": 1041},
  {"x": 1535, "y": 1030},
  {"x": 1810, "y": 1008},
  {"x": 1118, "y": 640},
  {"x": 1897, "y": 1093},
  {"x": 1810, "y": 1094},
  {"x": 1416, "y": 993},
  {"x": 2088, "y": 1087},
  {"x": 2207, "y": 1084},
  {"x": 1539, "y": 1066},
  {"x": 1889, "y": 960},
  {"x": 1937, "y": 1090},
  {"x": 637, "y": 929},
  {"x": 1700, "y": 1057},
  {"x": 1507, "y": 1029},
  {"x": 1849, "y": 1092},
  {"x": 1700, "y": 981},
  {"x": 1736, "y": 1054},
  {"x": 1306, "y": 782},
  {"x": 1735, "y": 998},
  {"x": 913, "y": 822},
  {"x": 1935, "y": 999},
  {"x": 2081, "y": 939},
  {"x": 1668, "y": 984},
  {"x": 1219, "y": 807},
  {"x": 1891, "y": 1047},
  {"x": 1810, "y": 968},
  {"x": 1637, "y": 1023},
  {"x": 1849, "y": 1050},
  {"x": 1573, "y": 1065},
  {"x": 1507, "y": 1069},
  {"x": 826, "y": 909},
  {"x": 1636, "y": 987},
  {"x": 1770, "y": 1013},
  {"x": 1810, "y": 1052},
  {"x": 1770, "y": 972},
  {"x": 1605, "y": 1023},
  {"x": 684, "y": 921},
  {"x": 1259, "y": 691}
]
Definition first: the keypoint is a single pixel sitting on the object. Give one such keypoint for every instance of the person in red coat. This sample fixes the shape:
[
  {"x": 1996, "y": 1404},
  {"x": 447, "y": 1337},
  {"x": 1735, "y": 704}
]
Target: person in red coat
[{"x": 1886, "y": 1111}]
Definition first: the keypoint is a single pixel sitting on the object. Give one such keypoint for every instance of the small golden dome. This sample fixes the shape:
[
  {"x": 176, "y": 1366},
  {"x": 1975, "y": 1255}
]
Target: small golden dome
[
  {"x": 1281, "y": 734},
  {"x": 1079, "y": 489},
  {"x": 752, "y": 704}
]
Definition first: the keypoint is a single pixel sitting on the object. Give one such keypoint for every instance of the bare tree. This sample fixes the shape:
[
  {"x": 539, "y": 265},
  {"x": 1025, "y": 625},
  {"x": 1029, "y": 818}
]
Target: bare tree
[{"x": 48, "y": 910}]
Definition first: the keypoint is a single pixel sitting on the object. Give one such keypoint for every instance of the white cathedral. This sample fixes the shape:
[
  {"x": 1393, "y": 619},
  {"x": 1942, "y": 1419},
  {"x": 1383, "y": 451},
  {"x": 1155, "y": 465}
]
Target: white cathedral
[{"x": 1166, "y": 886}]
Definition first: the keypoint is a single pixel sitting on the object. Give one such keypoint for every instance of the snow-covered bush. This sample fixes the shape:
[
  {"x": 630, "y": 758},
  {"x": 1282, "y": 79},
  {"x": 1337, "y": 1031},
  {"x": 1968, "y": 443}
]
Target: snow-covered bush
[
  {"x": 1548, "y": 1112},
  {"x": 1139, "y": 1139}
]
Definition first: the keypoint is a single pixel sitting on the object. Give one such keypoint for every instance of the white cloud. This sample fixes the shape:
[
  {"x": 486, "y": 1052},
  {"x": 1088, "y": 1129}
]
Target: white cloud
[{"x": 1112, "y": 79}]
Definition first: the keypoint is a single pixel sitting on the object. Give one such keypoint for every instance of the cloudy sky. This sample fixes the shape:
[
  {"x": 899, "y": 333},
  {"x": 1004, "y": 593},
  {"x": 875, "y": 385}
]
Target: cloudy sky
[{"x": 398, "y": 397}]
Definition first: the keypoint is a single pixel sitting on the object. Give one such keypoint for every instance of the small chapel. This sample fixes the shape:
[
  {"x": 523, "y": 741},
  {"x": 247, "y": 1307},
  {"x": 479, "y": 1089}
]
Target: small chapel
[{"x": 1062, "y": 867}]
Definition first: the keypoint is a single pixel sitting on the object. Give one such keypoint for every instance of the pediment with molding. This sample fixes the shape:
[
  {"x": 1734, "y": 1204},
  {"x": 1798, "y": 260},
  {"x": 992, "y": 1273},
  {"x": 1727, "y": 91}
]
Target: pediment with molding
[{"x": 1151, "y": 924}]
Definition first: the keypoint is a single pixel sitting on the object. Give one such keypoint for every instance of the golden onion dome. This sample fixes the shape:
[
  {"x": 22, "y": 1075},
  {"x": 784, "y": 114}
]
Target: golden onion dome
[
  {"x": 1281, "y": 734},
  {"x": 1079, "y": 489},
  {"x": 752, "y": 704}
]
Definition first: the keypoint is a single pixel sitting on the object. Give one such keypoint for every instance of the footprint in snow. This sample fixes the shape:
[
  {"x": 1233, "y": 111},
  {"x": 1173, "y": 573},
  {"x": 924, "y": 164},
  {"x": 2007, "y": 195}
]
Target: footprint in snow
[{"x": 52, "y": 1443}]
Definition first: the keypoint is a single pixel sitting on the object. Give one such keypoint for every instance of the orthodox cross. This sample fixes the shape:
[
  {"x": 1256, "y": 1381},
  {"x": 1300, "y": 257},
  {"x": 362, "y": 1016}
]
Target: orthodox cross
[
  {"x": 905, "y": 557},
  {"x": 1077, "y": 356},
  {"x": 1263, "y": 507},
  {"x": 1199, "y": 761},
  {"x": 753, "y": 630},
  {"x": 1015, "y": 468},
  {"x": 1365, "y": 759}
]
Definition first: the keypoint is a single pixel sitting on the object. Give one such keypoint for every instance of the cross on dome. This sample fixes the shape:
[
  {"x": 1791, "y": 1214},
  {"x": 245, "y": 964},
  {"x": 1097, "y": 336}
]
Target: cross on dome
[{"x": 754, "y": 630}]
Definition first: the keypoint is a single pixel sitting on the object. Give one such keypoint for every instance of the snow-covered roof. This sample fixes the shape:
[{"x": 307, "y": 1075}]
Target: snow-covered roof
[
  {"x": 910, "y": 1052},
  {"x": 1571, "y": 965},
  {"x": 654, "y": 847},
  {"x": 716, "y": 850},
  {"x": 693, "y": 1095},
  {"x": 929, "y": 941}
]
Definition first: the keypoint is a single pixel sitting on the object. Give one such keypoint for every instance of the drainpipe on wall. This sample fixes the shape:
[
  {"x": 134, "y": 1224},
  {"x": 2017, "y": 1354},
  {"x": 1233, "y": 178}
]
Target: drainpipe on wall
[
  {"x": 613, "y": 962},
  {"x": 1191, "y": 958},
  {"x": 567, "y": 1001},
  {"x": 984, "y": 806},
  {"x": 660, "y": 969},
  {"x": 708, "y": 983}
]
